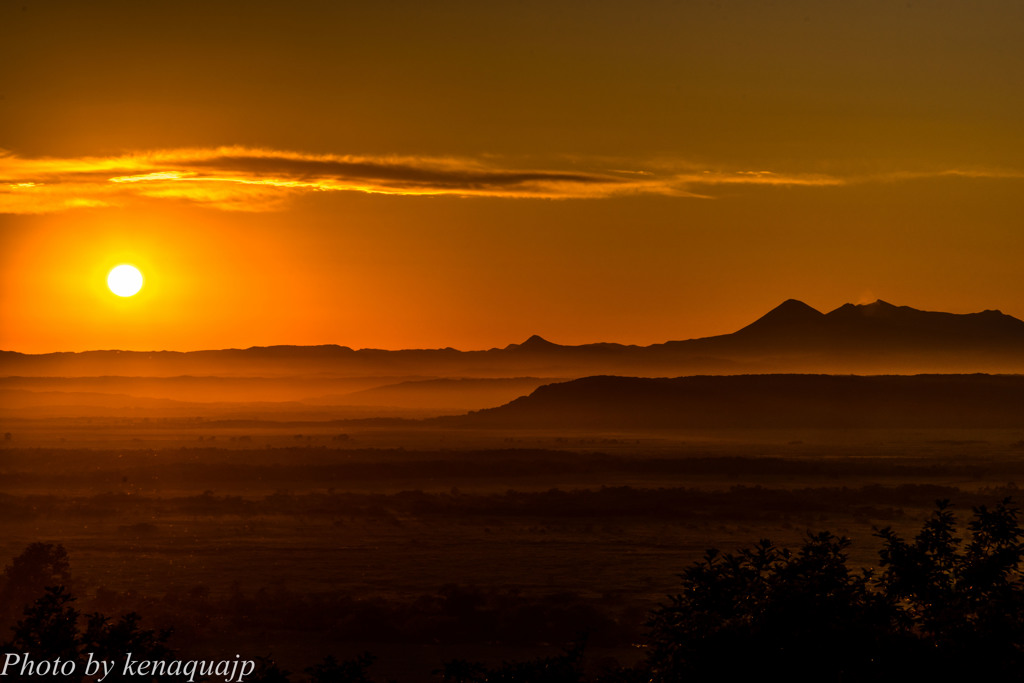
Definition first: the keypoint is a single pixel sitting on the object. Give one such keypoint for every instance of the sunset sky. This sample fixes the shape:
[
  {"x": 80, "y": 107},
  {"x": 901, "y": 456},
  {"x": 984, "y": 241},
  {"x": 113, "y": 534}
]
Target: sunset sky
[{"x": 466, "y": 174}]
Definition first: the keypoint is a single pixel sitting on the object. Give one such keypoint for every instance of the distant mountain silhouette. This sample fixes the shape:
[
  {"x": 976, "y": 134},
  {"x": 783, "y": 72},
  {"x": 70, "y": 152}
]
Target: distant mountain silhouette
[
  {"x": 883, "y": 323},
  {"x": 534, "y": 343},
  {"x": 878, "y": 324},
  {"x": 789, "y": 315},
  {"x": 875, "y": 338},
  {"x": 763, "y": 401}
]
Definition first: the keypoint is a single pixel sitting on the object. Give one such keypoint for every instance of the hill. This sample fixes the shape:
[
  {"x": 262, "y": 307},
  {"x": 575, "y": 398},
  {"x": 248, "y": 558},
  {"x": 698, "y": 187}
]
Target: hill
[{"x": 764, "y": 401}]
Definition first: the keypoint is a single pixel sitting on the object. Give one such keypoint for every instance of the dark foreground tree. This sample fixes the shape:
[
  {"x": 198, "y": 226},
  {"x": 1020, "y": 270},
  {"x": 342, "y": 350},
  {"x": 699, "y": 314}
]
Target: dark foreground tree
[
  {"x": 110, "y": 639},
  {"x": 51, "y": 628},
  {"x": 962, "y": 602},
  {"x": 938, "y": 610},
  {"x": 26, "y": 578}
]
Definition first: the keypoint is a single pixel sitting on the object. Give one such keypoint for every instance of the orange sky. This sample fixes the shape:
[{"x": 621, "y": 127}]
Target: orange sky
[{"x": 467, "y": 174}]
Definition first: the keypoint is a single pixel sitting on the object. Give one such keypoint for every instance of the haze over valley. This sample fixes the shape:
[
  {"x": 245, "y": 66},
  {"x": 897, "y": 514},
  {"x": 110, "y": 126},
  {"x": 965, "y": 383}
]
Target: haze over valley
[{"x": 335, "y": 382}]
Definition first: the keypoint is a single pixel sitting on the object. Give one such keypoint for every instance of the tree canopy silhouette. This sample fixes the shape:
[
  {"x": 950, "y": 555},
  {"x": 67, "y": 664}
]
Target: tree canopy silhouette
[
  {"x": 938, "y": 609},
  {"x": 24, "y": 580},
  {"x": 51, "y": 627}
]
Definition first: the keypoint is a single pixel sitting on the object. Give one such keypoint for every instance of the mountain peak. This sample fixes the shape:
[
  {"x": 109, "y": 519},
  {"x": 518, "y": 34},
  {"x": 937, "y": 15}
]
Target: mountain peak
[
  {"x": 790, "y": 312},
  {"x": 535, "y": 343},
  {"x": 795, "y": 307},
  {"x": 876, "y": 309}
]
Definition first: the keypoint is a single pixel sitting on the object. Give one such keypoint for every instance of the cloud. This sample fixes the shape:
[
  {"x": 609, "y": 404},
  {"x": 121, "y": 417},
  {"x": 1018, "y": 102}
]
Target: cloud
[
  {"x": 257, "y": 179},
  {"x": 970, "y": 173},
  {"x": 250, "y": 179}
]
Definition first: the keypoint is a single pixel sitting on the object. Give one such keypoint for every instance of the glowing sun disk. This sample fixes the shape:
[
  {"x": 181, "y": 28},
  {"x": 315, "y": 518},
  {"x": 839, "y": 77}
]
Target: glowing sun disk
[{"x": 124, "y": 280}]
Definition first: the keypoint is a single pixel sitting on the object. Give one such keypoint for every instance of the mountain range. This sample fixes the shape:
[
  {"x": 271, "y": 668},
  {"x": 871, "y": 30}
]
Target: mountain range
[
  {"x": 794, "y": 324},
  {"x": 876, "y": 338}
]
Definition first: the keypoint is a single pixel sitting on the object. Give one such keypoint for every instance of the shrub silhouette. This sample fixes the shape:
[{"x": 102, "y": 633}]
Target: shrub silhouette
[
  {"x": 938, "y": 609},
  {"x": 51, "y": 627},
  {"x": 25, "y": 579},
  {"x": 110, "y": 640}
]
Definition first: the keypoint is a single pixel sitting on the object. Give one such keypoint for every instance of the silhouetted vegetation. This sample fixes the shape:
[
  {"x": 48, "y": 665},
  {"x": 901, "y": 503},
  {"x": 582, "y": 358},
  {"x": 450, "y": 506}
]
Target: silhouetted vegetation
[
  {"x": 51, "y": 628},
  {"x": 25, "y": 579},
  {"x": 937, "y": 607}
]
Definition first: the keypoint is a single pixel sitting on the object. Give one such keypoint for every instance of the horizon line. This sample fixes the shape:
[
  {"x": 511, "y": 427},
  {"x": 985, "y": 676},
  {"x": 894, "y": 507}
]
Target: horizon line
[{"x": 532, "y": 337}]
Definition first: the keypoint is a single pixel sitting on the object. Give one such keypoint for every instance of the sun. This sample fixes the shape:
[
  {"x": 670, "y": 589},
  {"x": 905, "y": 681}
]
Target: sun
[{"x": 125, "y": 280}]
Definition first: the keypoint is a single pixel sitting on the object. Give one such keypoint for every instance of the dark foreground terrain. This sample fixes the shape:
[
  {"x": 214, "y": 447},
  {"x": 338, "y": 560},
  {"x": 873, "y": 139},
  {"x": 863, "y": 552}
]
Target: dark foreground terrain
[{"x": 423, "y": 545}]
